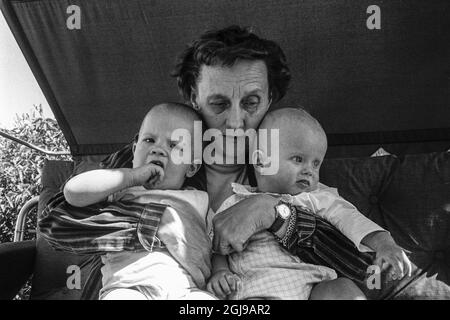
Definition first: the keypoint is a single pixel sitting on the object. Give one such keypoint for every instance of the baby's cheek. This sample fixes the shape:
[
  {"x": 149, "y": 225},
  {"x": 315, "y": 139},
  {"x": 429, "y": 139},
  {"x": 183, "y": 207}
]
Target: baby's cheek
[{"x": 315, "y": 181}]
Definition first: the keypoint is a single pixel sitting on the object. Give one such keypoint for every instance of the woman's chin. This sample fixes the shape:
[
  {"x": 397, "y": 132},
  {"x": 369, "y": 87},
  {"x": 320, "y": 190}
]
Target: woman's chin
[{"x": 231, "y": 152}]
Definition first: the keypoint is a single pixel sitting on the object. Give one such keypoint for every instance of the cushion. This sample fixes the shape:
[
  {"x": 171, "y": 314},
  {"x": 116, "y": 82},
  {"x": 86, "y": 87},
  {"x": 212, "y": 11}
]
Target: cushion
[
  {"x": 51, "y": 266},
  {"x": 408, "y": 196}
]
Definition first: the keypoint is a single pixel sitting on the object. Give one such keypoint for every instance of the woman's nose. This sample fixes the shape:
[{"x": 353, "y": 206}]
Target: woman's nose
[{"x": 235, "y": 117}]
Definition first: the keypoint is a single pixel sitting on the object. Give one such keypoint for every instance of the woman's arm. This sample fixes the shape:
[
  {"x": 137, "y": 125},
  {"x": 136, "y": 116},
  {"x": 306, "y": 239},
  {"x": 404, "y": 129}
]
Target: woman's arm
[{"x": 235, "y": 225}]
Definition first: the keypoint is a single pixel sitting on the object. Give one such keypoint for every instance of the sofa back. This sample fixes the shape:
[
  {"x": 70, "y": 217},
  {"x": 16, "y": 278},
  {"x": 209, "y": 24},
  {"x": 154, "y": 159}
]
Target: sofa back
[{"x": 410, "y": 197}]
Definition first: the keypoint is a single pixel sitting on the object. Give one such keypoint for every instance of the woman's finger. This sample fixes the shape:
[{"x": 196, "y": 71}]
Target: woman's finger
[
  {"x": 224, "y": 248},
  {"x": 237, "y": 246},
  {"x": 216, "y": 241}
]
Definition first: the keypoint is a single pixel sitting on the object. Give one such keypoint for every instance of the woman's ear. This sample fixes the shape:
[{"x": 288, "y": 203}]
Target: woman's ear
[{"x": 193, "y": 169}]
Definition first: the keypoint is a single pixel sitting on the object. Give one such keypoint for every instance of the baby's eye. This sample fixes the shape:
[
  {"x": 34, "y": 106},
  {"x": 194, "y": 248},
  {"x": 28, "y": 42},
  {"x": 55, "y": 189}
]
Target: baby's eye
[
  {"x": 174, "y": 144},
  {"x": 316, "y": 163},
  {"x": 297, "y": 159},
  {"x": 149, "y": 140}
]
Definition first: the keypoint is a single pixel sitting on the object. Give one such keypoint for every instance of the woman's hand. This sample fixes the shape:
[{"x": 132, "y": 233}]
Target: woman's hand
[{"x": 235, "y": 225}]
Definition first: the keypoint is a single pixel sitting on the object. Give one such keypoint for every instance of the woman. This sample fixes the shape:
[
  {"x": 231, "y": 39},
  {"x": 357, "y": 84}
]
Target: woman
[{"x": 232, "y": 77}]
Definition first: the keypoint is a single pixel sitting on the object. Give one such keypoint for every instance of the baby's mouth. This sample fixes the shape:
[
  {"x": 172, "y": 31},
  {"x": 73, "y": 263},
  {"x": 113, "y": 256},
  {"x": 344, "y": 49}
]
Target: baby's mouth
[
  {"x": 303, "y": 183},
  {"x": 158, "y": 163}
]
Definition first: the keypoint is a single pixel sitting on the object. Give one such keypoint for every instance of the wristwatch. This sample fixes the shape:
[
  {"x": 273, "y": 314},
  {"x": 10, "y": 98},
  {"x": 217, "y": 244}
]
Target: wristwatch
[{"x": 283, "y": 211}]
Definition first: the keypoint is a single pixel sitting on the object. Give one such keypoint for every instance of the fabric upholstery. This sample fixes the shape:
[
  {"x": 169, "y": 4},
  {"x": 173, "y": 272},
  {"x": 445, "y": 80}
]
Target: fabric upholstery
[
  {"x": 409, "y": 196},
  {"x": 50, "y": 273}
]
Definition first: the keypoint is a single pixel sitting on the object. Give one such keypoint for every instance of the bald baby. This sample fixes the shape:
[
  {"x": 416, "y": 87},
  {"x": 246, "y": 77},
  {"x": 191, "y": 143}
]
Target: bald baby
[
  {"x": 178, "y": 112},
  {"x": 301, "y": 150},
  {"x": 158, "y": 148}
]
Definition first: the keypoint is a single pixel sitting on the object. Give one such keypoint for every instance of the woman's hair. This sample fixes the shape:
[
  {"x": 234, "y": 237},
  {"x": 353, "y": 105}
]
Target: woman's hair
[{"x": 224, "y": 47}]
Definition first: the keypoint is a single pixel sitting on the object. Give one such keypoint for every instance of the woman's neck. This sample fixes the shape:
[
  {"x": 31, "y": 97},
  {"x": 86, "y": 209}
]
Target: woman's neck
[
  {"x": 225, "y": 169},
  {"x": 219, "y": 179}
]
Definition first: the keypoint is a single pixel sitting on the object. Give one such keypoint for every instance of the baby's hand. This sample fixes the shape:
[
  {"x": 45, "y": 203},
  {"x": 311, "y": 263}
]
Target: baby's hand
[
  {"x": 147, "y": 175},
  {"x": 223, "y": 283},
  {"x": 389, "y": 254}
]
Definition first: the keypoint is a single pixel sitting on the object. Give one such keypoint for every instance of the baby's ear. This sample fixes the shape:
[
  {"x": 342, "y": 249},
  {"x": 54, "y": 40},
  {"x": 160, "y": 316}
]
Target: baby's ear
[
  {"x": 259, "y": 161},
  {"x": 193, "y": 169}
]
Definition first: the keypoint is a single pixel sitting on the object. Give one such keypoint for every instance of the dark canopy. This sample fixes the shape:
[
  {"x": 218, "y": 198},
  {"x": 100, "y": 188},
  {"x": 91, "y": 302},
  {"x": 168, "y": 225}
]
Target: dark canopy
[{"x": 365, "y": 86}]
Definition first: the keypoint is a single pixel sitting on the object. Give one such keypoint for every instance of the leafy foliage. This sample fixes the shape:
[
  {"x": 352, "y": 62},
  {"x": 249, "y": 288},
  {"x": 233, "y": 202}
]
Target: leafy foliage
[{"x": 20, "y": 168}]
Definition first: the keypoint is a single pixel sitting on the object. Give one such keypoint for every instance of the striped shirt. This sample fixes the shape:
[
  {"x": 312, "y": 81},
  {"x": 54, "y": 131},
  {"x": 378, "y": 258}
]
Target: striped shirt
[
  {"x": 98, "y": 229},
  {"x": 314, "y": 240},
  {"x": 102, "y": 227}
]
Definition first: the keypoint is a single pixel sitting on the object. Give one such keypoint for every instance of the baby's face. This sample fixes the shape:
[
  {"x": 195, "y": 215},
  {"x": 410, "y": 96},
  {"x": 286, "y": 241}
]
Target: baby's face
[
  {"x": 301, "y": 153},
  {"x": 155, "y": 145}
]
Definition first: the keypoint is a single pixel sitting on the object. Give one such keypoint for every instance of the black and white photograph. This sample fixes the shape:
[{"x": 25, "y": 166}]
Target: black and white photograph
[{"x": 213, "y": 152}]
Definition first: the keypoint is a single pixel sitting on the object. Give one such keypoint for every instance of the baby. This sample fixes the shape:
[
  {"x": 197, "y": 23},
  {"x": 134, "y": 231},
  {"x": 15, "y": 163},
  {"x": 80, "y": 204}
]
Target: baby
[
  {"x": 178, "y": 267},
  {"x": 265, "y": 270}
]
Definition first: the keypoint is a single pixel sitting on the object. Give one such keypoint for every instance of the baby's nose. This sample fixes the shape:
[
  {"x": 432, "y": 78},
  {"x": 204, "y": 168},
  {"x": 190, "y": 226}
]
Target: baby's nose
[
  {"x": 158, "y": 152},
  {"x": 307, "y": 171}
]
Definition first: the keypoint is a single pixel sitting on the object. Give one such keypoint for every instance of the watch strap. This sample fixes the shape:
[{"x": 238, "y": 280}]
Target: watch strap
[{"x": 279, "y": 221}]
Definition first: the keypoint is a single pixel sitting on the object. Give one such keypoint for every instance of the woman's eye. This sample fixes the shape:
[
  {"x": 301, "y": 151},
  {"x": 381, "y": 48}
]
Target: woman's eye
[
  {"x": 218, "y": 106},
  {"x": 251, "y": 104},
  {"x": 297, "y": 159}
]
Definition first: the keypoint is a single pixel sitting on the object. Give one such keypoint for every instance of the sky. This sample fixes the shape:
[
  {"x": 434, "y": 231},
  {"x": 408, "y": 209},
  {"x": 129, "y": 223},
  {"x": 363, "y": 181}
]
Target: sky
[{"x": 19, "y": 90}]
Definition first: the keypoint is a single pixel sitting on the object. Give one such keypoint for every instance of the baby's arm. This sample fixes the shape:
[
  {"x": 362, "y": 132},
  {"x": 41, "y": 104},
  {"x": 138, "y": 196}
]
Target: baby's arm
[
  {"x": 222, "y": 282},
  {"x": 94, "y": 186},
  {"x": 388, "y": 253},
  {"x": 362, "y": 231},
  {"x": 344, "y": 216}
]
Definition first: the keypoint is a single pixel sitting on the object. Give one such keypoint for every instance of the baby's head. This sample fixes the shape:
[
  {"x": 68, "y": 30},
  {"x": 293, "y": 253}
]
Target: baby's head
[
  {"x": 155, "y": 142},
  {"x": 302, "y": 147}
]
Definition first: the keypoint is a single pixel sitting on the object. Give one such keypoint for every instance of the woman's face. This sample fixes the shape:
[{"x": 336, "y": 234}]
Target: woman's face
[{"x": 235, "y": 97}]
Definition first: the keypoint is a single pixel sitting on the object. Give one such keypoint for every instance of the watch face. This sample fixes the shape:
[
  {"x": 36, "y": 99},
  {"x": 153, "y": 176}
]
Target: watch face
[{"x": 284, "y": 211}]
